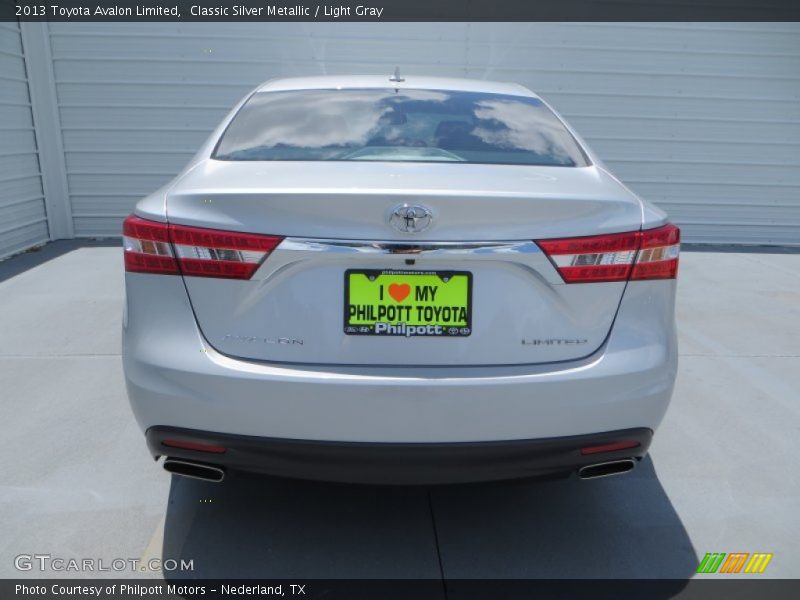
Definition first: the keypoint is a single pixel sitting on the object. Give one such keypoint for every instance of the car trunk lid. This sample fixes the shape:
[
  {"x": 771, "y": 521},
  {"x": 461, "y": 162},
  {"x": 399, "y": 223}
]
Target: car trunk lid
[{"x": 335, "y": 219}]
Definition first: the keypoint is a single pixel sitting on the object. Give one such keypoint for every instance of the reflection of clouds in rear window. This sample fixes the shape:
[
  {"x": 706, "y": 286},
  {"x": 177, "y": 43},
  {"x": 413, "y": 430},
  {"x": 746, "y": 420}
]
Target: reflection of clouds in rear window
[
  {"x": 313, "y": 121},
  {"x": 522, "y": 127},
  {"x": 317, "y": 120},
  {"x": 370, "y": 124}
]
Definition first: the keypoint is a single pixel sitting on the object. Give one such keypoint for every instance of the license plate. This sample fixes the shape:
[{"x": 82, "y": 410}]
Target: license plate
[{"x": 408, "y": 303}]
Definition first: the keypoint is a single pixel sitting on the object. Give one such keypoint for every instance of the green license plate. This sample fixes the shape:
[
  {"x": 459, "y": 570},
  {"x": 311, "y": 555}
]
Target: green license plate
[{"x": 408, "y": 303}]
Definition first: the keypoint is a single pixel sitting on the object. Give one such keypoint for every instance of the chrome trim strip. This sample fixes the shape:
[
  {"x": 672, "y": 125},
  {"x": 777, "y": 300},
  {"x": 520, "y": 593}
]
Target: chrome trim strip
[
  {"x": 403, "y": 247},
  {"x": 293, "y": 252}
]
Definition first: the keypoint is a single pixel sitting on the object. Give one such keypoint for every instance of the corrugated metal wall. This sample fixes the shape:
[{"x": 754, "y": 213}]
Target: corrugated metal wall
[
  {"x": 23, "y": 222},
  {"x": 704, "y": 119}
]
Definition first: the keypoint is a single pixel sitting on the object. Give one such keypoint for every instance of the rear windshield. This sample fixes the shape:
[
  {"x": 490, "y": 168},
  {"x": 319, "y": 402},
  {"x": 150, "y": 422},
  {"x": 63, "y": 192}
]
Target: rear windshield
[{"x": 398, "y": 125}]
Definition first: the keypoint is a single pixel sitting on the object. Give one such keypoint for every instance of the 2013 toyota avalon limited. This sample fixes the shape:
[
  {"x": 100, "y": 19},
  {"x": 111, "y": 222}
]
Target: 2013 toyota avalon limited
[{"x": 418, "y": 280}]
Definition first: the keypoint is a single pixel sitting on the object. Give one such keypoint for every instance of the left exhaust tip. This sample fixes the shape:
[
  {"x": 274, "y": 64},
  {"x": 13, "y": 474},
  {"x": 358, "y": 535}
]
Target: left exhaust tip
[{"x": 194, "y": 470}]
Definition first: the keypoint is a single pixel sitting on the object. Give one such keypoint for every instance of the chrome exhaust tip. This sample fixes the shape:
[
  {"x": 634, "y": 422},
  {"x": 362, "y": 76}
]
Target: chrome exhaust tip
[
  {"x": 607, "y": 469},
  {"x": 194, "y": 470}
]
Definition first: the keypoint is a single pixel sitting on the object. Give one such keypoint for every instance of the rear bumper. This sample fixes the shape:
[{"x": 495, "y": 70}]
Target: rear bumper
[
  {"x": 175, "y": 379},
  {"x": 400, "y": 464}
]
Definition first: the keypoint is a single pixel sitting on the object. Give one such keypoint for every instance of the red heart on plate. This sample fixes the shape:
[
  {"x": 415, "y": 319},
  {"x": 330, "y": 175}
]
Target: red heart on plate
[{"x": 399, "y": 291}]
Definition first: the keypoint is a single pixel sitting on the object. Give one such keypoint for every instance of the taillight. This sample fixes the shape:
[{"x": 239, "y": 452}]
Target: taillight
[
  {"x": 194, "y": 251},
  {"x": 147, "y": 247},
  {"x": 648, "y": 254},
  {"x": 215, "y": 253},
  {"x": 595, "y": 258},
  {"x": 658, "y": 256}
]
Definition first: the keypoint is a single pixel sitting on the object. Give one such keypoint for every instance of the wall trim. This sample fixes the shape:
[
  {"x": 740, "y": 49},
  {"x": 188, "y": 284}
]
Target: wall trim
[{"x": 47, "y": 128}]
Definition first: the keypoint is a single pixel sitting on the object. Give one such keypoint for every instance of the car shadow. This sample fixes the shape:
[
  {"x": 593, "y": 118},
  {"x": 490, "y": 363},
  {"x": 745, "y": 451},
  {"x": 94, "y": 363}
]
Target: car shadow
[
  {"x": 250, "y": 527},
  {"x": 610, "y": 528},
  {"x": 260, "y": 527}
]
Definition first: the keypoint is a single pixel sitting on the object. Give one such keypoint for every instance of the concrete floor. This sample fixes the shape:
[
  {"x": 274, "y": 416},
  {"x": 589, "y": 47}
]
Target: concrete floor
[{"x": 78, "y": 482}]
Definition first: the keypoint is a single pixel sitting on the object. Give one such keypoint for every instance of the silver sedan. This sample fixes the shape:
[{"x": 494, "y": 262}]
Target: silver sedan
[{"x": 418, "y": 280}]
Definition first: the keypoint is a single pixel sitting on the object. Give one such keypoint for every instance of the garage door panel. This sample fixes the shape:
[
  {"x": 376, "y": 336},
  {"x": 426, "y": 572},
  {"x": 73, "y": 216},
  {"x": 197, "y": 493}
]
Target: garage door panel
[
  {"x": 135, "y": 141},
  {"x": 176, "y": 94},
  {"x": 22, "y": 236},
  {"x": 23, "y": 220},
  {"x": 719, "y": 195},
  {"x": 553, "y": 79},
  {"x": 105, "y": 203},
  {"x": 13, "y": 91},
  {"x": 140, "y": 184},
  {"x": 291, "y": 47},
  {"x": 733, "y": 131},
  {"x": 18, "y": 113},
  {"x": 752, "y": 214},
  {"x": 723, "y": 233},
  {"x": 17, "y": 213},
  {"x": 99, "y": 226},
  {"x": 14, "y": 165},
  {"x": 692, "y": 38},
  {"x": 25, "y": 185},
  {"x": 701, "y": 117},
  {"x": 707, "y": 171},
  {"x": 127, "y": 162},
  {"x": 655, "y": 107},
  {"x": 675, "y": 63},
  {"x": 13, "y": 139},
  {"x": 11, "y": 66},
  {"x": 134, "y": 117},
  {"x": 9, "y": 40},
  {"x": 164, "y": 71},
  {"x": 696, "y": 150}
]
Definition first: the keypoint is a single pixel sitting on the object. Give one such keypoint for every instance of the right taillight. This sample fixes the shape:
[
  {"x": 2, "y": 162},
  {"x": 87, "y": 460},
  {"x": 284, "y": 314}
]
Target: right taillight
[
  {"x": 658, "y": 254},
  {"x": 648, "y": 254},
  {"x": 167, "y": 249}
]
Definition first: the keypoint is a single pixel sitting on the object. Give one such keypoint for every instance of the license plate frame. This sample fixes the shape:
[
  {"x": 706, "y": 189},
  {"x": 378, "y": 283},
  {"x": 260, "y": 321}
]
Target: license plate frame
[{"x": 461, "y": 319}]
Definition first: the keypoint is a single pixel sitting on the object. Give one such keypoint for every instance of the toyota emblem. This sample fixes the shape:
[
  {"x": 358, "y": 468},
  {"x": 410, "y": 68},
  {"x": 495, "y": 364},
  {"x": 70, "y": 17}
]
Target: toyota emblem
[{"x": 411, "y": 218}]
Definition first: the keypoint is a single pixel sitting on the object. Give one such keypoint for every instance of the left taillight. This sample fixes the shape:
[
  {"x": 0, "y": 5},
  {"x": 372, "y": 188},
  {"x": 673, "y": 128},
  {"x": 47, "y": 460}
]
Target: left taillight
[
  {"x": 152, "y": 247},
  {"x": 215, "y": 253},
  {"x": 147, "y": 247}
]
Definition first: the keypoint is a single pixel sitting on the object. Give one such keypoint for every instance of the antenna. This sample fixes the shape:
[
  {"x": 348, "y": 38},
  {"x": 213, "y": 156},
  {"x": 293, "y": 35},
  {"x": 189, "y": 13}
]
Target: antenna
[{"x": 396, "y": 76}]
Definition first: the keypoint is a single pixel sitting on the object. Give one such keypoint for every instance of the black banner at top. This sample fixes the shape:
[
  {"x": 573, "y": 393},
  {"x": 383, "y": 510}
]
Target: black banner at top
[{"x": 400, "y": 10}]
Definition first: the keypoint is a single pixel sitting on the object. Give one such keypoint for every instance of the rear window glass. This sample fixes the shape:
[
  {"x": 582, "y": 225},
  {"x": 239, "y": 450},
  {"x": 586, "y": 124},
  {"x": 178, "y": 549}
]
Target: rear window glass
[{"x": 398, "y": 125}]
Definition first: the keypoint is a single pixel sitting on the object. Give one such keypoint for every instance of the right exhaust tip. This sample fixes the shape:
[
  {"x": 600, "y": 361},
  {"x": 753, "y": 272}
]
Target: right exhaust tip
[
  {"x": 194, "y": 470},
  {"x": 607, "y": 469}
]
